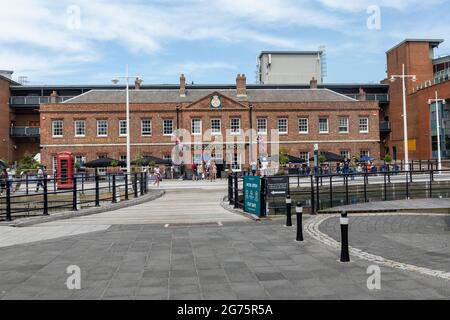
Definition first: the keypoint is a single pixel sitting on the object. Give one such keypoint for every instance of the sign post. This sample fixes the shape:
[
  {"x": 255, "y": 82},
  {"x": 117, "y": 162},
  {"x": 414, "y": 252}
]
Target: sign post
[
  {"x": 278, "y": 186},
  {"x": 252, "y": 195}
]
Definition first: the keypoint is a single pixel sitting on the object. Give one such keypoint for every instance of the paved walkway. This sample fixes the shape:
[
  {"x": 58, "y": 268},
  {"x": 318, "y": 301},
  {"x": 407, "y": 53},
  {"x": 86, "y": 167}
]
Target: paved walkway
[
  {"x": 239, "y": 260},
  {"x": 400, "y": 205},
  {"x": 185, "y": 202}
]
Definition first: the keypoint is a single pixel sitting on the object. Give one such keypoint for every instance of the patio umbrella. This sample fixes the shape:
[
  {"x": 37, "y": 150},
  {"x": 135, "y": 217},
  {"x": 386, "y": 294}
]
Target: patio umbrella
[
  {"x": 103, "y": 163},
  {"x": 330, "y": 157},
  {"x": 294, "y": 160},
  {"x": 152, "y": 159}
]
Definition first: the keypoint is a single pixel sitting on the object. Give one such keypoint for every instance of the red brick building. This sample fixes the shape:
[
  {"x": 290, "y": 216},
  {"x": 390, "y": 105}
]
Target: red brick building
[
  {"x": 92, "y": 125},
  {"x": 432, "y": 75}
]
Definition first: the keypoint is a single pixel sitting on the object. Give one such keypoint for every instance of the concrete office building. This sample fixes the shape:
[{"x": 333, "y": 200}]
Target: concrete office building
[{"x": 290, "y": 67}]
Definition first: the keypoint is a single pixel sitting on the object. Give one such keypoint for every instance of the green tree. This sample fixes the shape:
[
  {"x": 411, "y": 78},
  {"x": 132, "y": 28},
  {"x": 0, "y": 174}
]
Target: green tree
[
  {"x": 322, "y": 159},
  {"x": 114, "y": 163},
  {"x": 284, "y": 159},
  {"x": 27, "y": 163},
  {"x": 388, "y": 158}
]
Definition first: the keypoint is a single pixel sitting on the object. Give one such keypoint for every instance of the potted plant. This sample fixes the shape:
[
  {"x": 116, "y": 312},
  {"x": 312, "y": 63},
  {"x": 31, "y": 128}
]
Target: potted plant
[{"x": 388, "y": 158}]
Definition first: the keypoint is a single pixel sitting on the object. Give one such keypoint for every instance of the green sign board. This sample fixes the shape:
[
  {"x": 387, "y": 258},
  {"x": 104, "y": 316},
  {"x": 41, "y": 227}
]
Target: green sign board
[{"x": 252, "y": 194}]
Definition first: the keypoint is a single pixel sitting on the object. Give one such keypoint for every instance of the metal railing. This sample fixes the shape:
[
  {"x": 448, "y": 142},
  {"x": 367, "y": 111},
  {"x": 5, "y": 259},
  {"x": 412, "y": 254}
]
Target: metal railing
[
  {"x": 325, "y": 191},
  {"x": 31, "y": 196},
  {"x": 25, "y": 132},
  {"x": 33, "y": 100},
  {"x": 382, "y": 97},
  {"x": 385, "y": 126}
]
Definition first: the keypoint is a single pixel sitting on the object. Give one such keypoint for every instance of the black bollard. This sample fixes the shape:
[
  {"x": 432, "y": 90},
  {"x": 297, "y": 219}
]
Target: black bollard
[
  {"x": 299, "y": 212},
  {"x": 345, "y": 256},
  {"x": 288, "y": 211}
]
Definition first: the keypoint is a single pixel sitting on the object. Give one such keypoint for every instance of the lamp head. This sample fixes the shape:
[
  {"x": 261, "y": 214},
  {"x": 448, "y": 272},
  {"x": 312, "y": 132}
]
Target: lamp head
[
  {"x": 414, "y": 79},
  {"x": 115, "y": 81},
  {"x": 392, "y": 79}
]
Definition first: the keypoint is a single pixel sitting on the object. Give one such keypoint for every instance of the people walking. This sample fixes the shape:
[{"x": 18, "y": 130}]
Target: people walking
[
  {"x": 3, "y": 181},
  {"x": 194, "y": 171},
  {"x": 40, "y": 178},
  {"x": 157, "y": 174}
]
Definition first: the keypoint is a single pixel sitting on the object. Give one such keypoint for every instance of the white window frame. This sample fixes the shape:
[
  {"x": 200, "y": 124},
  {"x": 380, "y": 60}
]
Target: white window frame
[
  {"x": 367, "y": 124},
  {"x": 328, "y": 126},
  {"x": 98, "y": 127},
  {"x": 76, "y": 122},
  {"x": 164, "y": 127},
  {"x": 53, "y": 128},
  {"x": 120, "y": 128},
  {"x": 146, "y": 134},
  {"x": 123, "y": 157},
  {"x": 299, "y": 126},
  {"x": 213, "y": 132},
  {"x": 346, "y": 125},
  {"x": 231, "y": 126},
  {"x": 361, "y": 153},
  {"x": 236, "y": 165},
  {"x": 194, "y": 123},
  {"x": 264, "y": 120},
  {"x": 303, "y": 153},
  {"x": 287, "y": 125},
  {"x": 347, "y": 156}
]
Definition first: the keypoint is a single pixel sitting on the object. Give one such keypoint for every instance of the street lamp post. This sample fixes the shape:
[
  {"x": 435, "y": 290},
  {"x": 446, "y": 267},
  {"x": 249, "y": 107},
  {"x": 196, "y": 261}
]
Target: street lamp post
[
  {"x": 436, "y": 100},
  {"x": 115, "y": 80},
  {"x": 403, "y": 76}
]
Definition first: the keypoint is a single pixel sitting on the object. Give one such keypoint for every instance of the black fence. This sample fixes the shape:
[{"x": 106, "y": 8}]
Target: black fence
[
  {"x": 324, "y": 191},
  {"x": 31, "y": 196}
]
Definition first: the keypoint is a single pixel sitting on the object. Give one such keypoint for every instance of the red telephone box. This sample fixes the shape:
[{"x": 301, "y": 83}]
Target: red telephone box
[{"x": 64, "y": 170}]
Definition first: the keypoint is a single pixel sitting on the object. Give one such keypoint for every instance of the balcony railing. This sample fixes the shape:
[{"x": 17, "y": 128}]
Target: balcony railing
[
  {"x": 25, "y": 132},
  {"x": 381, "y": 97},
  {"x": 33, "y": 100},
  {"x": 385, "y": 126}
]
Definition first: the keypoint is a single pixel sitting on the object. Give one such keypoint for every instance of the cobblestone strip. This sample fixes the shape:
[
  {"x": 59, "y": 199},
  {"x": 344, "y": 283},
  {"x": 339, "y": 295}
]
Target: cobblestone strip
[{"x": 312, "y": 228}]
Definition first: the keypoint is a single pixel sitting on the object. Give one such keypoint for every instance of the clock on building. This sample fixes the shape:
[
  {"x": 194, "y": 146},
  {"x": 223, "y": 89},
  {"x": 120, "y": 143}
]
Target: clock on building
[{"x": 216, "y": 102}]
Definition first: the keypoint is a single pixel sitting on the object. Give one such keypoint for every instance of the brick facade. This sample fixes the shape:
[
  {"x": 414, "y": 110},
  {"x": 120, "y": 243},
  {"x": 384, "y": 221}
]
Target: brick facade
[
  {"x": 239, "y": 106},
  {"x": 5, "y": 144},
  {"x": 417, "y": 57}
]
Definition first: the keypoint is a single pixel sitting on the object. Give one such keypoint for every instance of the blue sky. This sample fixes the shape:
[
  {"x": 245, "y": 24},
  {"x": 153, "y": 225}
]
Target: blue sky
[{"x": 88, "y": 41}]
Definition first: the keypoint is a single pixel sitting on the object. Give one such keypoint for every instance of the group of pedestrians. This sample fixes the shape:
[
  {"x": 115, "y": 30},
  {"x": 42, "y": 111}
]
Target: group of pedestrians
[
  {"x": 8, "y": 177},
  {"x": 204, "y": 170}
]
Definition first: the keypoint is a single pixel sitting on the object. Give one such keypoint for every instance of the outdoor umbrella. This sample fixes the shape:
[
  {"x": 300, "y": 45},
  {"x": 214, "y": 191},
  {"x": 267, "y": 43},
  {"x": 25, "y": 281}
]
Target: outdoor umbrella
[
  {"x": 151, "y": 159},
  {"x": 3, "y": 165},
  {"x": 366, "y": 158},
  {"x": 103, "y": 163},
  {"x": 331, "y": 157},
  {"x": 294, "y": 160}
]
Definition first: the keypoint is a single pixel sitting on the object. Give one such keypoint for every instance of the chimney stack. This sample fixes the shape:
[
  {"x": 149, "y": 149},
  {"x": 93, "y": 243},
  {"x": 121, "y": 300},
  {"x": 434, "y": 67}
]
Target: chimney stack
[
  {"x": 313, "y": 83},
  {"x": 137, "y": 84},
  {"x": 182, "y": 86},
  {"x": 54, "y": 97},
  {"x": 241, "y": 85},
  {"x": 361, "y": 95}
]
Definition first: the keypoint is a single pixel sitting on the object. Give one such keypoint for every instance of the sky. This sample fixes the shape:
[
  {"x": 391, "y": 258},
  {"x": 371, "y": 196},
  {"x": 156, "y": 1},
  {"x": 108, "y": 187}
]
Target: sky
[{"x": 210, "y": 41}]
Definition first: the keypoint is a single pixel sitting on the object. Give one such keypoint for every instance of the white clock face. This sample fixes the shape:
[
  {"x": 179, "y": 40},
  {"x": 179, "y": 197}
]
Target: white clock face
[{"x": 215, "y": 102}]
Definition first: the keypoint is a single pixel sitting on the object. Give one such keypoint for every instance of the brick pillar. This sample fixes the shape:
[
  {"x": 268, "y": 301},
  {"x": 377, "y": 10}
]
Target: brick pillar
[
  {"x": 241, "y": 85},
  {"x": 182, "y": 86},
  {"x": 54, "y": 97},
  {"x": 313, "y": 83},
  {"x": 361, "y": 95}
]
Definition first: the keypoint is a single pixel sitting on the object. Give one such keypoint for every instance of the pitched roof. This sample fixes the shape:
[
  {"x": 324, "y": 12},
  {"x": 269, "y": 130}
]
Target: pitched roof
[{"x": 173, "y": 96}]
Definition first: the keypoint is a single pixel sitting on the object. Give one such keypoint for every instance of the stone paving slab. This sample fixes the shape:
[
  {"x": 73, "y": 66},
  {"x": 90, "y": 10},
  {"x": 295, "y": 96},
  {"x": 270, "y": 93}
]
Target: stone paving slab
[
  {"x": 239, "y": 260},
  {"x": 422, "y": 205}
]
